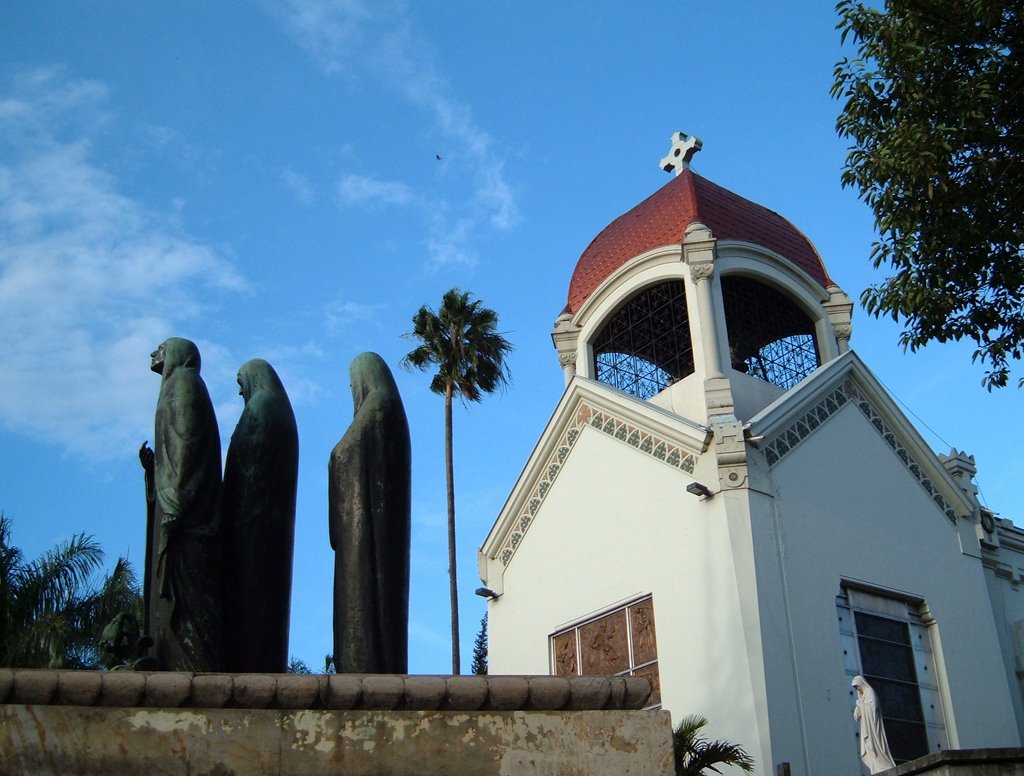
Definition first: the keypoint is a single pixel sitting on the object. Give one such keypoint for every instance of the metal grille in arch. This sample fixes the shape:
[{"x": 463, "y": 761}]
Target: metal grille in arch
[
  {"x": 770, "y": 337},
  {"x": 645, "y": 346}
]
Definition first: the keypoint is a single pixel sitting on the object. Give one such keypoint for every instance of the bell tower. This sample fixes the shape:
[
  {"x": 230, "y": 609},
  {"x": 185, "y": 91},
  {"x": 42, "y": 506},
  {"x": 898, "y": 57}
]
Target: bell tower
[{"x": 701, "y": 302}]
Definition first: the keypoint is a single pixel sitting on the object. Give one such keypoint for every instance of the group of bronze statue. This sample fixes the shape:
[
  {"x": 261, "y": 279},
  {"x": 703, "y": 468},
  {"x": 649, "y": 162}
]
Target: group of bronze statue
[{"x": 219, "y": 549}]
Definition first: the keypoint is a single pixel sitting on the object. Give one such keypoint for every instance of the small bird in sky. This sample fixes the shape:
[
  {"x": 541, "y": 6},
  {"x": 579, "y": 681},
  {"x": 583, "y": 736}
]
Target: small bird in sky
[{"x": 437, "y": 156}]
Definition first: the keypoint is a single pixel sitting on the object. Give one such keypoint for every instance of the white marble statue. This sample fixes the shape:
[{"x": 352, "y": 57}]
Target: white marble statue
[{"x": 874, "y": 749}]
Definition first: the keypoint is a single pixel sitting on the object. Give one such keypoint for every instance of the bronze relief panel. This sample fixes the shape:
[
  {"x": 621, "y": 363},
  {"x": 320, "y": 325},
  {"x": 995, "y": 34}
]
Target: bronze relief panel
[
  {"x": 645, "y": 643},
  {"x": 565, "y": 654},
  {"x": 604, "y": 645}
]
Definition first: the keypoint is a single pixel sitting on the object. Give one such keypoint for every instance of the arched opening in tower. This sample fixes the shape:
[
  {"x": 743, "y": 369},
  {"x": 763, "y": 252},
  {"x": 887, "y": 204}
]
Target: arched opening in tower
[
  {"x": 770, "y": 337},
  {"x": 645, "y": 346}
]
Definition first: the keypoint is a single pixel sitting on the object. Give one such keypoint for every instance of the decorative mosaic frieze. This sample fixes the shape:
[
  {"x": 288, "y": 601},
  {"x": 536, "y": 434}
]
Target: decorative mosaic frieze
[
  {"x": 586, "y": 415},
  {"x": 803, "y": 427}
]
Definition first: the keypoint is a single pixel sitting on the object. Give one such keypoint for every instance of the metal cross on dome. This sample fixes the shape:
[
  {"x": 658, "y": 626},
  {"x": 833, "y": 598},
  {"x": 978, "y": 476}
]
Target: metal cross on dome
[{"x": 679, "y": 155}]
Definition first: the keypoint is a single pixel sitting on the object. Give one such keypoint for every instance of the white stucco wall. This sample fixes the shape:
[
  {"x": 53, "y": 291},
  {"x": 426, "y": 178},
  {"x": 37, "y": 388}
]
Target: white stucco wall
[
  {"x": 1004, "y": 574},
  {"x": 617, "y": 524},
  {"x": 744, "y": 585},
  {"x": 843, "y": 506},
  {"x": 751, "y": 395}
]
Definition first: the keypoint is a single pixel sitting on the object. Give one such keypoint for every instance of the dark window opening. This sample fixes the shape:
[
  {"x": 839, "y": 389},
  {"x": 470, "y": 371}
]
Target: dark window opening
[
  {"x": 770, "y": 337},
  {"x": 645, "y": 346},
  {"x": 887, "y": 661}
]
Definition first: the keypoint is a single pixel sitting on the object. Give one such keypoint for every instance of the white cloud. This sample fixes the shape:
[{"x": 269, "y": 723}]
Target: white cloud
[
  {"x": 338, "y": 315},
  {"x": 90, "y": 280},
  {"x": 448, "y": 242},
  {"x": 291, "y": 362},
  {"x": 42, "y": 98},
  {"x": 346, "y": 37},
  {"x": 158, "y": 135},
  {"x": 299, "y": 186},
  {"x": 300, "y": 353},
  {"x": 360, "y": 189},
  {"x": 328, "y": 29}
]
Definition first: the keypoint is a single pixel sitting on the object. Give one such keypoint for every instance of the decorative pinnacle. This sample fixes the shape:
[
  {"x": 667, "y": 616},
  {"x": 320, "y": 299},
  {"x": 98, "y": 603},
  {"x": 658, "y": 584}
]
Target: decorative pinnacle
[{"x": 679, "y": 155}]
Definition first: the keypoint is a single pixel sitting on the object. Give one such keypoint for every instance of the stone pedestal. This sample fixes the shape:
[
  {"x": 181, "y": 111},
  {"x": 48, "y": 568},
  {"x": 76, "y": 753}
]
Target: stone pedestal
[{"x": 54, "y": 722}]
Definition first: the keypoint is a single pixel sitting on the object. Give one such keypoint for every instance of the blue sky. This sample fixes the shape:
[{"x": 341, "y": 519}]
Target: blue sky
[{"x": 261, "y": 177}]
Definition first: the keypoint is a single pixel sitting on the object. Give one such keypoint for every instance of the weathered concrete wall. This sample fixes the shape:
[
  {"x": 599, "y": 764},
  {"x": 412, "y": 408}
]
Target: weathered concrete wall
[
  {"x": 67, "y": 722},
  {"x": 223, "y": 742}
]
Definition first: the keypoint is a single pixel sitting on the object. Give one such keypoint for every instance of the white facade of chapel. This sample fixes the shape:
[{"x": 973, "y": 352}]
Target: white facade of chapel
[{"x": 824, "y": 501}]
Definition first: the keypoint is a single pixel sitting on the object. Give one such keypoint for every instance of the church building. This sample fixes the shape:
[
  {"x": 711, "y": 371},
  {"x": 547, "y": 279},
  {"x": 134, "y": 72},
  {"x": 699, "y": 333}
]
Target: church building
[{"x": 728, "y": 502}]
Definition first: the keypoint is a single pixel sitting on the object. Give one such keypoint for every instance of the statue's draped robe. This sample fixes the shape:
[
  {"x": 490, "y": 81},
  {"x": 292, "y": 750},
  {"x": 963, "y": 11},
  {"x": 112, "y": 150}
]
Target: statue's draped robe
[
  {"x": 874, "y": 749},
  {"x": 260, "y": 478},
  {"x": 369, "y": 499},
  {"x": 186, "y": 599}
]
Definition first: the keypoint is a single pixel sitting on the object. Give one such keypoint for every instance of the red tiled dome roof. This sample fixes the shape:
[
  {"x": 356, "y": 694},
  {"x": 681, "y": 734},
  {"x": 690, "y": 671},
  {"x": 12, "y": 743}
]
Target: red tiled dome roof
[{"x": 662, "y": 218}]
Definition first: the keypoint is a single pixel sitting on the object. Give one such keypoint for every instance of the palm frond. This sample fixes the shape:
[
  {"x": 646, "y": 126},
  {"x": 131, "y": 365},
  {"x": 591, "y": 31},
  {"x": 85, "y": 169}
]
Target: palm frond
[
  {"x": 695, "y": 755},
  {"x": 53, "y": 581},
  {"x": 10, "y": 562},
  {"x": 461, "y": 340},
  {"x": 51, "y": 611}
]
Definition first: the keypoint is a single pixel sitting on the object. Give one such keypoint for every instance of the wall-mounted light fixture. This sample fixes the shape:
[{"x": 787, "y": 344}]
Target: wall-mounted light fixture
[
  {"x": 699, "y": 489},
  {"x": 486, "y": 592},
  {"x": 755, "y": 441}
]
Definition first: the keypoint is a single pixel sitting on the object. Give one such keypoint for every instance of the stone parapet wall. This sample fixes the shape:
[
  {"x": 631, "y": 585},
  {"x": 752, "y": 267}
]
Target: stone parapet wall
[
  {"x": 83, "y": 722},
  {"x": 166, "y": 689}
]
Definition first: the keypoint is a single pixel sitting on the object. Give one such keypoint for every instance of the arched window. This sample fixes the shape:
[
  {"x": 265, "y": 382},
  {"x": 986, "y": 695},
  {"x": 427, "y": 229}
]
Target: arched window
[
  {"x": 770, "y": 337},
  {"x": 645, "y": 346}
]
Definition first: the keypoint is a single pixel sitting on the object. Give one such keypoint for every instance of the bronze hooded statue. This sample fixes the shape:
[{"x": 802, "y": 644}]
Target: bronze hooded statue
[
  {"x": 260, "y": 478},
  {"x": 183, "y": 570},
  {"x": 369, "y": 502}
]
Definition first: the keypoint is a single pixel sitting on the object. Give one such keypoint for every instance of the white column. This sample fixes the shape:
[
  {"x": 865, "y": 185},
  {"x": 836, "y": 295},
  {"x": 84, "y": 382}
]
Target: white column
[
  {"x": 840, "y": 315},
  {"x": 699, "y": 254},
  {"x": 565, "y": 337}
]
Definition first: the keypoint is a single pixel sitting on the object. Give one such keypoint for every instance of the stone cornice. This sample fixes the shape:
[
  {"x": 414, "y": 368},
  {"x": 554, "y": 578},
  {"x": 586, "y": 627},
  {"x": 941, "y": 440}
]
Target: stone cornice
[{"x": 165, "y": 689}]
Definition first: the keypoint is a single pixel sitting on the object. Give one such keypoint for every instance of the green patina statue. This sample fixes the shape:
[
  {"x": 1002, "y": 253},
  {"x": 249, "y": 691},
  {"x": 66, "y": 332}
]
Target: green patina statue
[
  {"x": 184, "y": 546},
  {"x": 369, "y": 502},
  {"x": 260, "y": 477}
]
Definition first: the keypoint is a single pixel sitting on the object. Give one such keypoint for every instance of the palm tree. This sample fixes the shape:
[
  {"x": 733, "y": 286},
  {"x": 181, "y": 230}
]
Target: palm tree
[
  {"x": 461, "y": 340},
  {"x": 695, "y": 754},
  {"x": 51, "y": 614},
  {"x": 120, "y": 592}
]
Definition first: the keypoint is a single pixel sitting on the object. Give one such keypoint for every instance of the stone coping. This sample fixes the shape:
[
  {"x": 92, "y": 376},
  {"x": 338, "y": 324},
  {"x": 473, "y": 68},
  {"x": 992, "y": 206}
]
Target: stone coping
[
  {"x": 169, "y": 689},
  {"x": 961, "y": 757}
]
